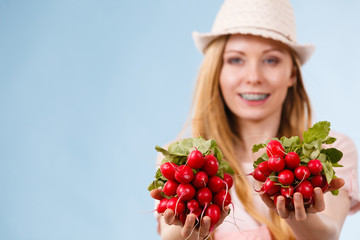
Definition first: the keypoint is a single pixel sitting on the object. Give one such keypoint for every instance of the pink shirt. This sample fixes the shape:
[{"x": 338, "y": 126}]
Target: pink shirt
[{"x": 240, "y": 225}]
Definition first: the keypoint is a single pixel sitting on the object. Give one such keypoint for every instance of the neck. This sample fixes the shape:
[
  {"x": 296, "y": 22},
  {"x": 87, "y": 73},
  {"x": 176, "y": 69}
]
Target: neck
[{"x": 253, "y": 132}]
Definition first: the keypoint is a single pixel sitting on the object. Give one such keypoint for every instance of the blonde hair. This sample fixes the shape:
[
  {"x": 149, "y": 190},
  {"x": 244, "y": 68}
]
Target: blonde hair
[{"x": 212, "y": 119}]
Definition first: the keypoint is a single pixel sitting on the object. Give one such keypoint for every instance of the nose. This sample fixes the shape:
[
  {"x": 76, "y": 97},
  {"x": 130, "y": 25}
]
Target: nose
[{"x": 253, "y": 73}]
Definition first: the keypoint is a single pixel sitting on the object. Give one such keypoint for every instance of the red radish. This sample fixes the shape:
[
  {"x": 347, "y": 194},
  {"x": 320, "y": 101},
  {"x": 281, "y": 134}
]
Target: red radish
[
  {"x": 306, "y": 189},
  {"x": 184, "y": 174},
  {"x": 216, "y": 184},
  {"x": 200, "y": 179},
  {"x": 286, "y": 177},
  {"x": 214, "y": 212},
  {"x": 292, "y": 160},
  {"x": 302, "y": 173},
  {"x": 168, "y": 170},
  {"x": 195, "y": 159},
  {"x": 185, "y": 191},
  {"x": 222, "y": 198},
  {"x": 182, "y": 217},
  {"x": 274, "y": 147},
  {"x": 211, "y": 165},
  {"x": 204, "y": 196},
  {"x": 197, "y": 212},
  {"x": 271, "y": 187},
  {"x": 192, "y": 205},
  {"x": 258, "y": 175},
  {"x": 315, "y": 167},
  {"x": 264, "y": 168},
  {"x": 287, "y": 192},
  {"x": 319, "y": 181},
  {"x": 177, "y": 205},
  {"x": 170, "y": 188},
  {"x": 229, "y": 180},
  {"x": 161, "y": 207},
  {"x": 276, "y": 163}
]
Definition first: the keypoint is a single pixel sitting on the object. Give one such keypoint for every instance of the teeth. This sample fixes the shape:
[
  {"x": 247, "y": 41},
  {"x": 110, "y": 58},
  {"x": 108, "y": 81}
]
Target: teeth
[{"x": 254, "y": 97}]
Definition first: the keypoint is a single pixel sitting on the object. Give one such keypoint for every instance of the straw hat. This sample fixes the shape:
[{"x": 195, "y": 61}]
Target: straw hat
[{"x": 266, "y": 18}]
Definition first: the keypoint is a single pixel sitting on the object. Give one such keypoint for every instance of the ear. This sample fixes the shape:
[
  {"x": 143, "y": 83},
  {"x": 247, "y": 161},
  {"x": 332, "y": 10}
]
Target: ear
[{"x": 293, "y": 76}]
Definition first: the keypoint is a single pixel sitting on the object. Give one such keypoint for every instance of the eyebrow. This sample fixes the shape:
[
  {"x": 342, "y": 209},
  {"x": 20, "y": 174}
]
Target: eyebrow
[{"x": 265, "y": 51}]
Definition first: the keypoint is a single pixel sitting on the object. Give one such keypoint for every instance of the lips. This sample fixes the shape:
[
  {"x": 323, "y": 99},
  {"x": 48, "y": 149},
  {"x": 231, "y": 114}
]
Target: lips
[{"x": 254, "y": 96}]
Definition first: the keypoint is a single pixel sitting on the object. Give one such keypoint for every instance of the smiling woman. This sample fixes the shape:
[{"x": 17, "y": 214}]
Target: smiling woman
[{"x": 250, "y": 89}]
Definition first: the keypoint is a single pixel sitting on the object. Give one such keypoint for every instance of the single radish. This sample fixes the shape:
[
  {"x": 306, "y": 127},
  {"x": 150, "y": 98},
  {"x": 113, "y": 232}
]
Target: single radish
[
  {"x": 222, "y": 198},
  {"x": 204, "y": 196},
  {"x": 185, "y": 191},
  {"x": 213, "y": 211},
  {"x": 197, "y": 212},
  {"x": 192, "y": 205},
  {"x": 168, "y": 170},
  {"x": 195, "y": 159},
  {"x": 315, "y": 166},
  {"x": 319, "y": 181},
  {"x": 228, "y": 180},
  {"x": 177, "y": 205},
  {"x": 182, "y": 217},
  {"x": 302, "y": 173},
  {"x": 274, "y": 147},
  {"x": 264, "y": 168},
  {"x": 258, "y": 175},
  {"x": 200, "y": 179},
  {"x": 170, "y": 188},
  {"x": 286, "y": 177},
  {"x": 161, "y": 207},
  {"x": 276, "y": 163},
  {"x": 306, "y": 189},
  {"x": 271, "y": 187},
  {"x": 288, "y": 191},
  {"x": 292, "y": 160},
  {"x": 184, "y": 174},
  {"x": 211, "y": 165},
  {"x": 216, "y": 184}
]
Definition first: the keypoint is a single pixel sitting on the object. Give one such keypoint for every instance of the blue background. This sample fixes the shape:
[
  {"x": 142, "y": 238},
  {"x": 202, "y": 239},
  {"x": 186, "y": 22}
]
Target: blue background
[{"x": 88, "y": 88}]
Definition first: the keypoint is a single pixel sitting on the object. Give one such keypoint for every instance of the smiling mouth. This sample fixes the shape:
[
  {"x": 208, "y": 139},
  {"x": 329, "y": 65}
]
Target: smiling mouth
[{"x": 254, "y": 96}]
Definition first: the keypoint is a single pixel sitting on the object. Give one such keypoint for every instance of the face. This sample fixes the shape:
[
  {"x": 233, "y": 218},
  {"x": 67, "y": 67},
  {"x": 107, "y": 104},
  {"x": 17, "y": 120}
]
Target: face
[{"x": 255, "y": 76}]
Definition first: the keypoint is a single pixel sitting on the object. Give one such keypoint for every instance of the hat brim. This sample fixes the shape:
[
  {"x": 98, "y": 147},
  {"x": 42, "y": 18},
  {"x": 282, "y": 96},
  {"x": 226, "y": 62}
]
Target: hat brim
[{"x": 304, "y": 52}]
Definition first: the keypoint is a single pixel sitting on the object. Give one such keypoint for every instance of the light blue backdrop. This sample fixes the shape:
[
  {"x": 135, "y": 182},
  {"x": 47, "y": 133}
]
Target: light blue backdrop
[{"x": 88, "y": 88}]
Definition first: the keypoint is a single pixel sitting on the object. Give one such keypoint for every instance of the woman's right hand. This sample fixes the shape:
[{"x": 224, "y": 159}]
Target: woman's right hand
[{"x": 191, "y": 229}]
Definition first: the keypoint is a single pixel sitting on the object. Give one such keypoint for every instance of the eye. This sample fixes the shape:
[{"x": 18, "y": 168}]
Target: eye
[
  {"x": 234, "y": 60},
  {"x": 271, "y": 60}
]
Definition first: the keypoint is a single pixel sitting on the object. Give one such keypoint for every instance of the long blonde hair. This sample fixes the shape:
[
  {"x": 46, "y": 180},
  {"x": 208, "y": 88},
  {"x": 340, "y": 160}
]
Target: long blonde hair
[{"x": 212, "y": 119}]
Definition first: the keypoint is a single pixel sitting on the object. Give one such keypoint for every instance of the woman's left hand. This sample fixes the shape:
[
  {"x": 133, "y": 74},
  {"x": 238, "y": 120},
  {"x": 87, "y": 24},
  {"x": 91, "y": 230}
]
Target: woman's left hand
[{"x": 300, "y": 212}]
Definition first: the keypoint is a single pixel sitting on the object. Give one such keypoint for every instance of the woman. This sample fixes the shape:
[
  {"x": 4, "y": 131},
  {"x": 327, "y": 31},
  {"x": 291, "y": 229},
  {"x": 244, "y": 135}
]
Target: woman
[{"x": 250, "y": 89}]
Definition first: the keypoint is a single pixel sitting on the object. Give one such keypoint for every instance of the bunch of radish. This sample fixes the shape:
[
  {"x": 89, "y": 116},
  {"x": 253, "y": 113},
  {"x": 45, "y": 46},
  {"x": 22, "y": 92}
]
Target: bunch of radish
[
  {"x": 193, "y": 179},
  {"x": 290, "y": 165}
]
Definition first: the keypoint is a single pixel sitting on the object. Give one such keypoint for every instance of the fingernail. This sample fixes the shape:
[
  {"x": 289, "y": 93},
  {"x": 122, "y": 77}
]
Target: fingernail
[{"x": 297, "y": 196}]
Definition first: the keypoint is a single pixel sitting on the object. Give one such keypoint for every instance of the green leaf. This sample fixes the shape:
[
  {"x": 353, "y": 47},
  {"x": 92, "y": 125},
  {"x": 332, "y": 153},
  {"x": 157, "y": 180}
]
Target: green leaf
[
  {"x": 181, "y": 148},
  {"x": 261, "y": 159},
  {"x": 328, "y": 170},
  {"x": 257, "y": 147},
  {"x": 319, "y": 130},
  {"x": 335, "y": 192},
  {"x": 155, "y": 184},
  {"x": 334, "y": 154},
  {"x": 329, "y": 140}
]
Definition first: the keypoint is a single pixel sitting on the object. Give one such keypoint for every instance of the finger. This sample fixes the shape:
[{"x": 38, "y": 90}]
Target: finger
[
  {"x": 169, "y": 217},
  {"x": 224, "y": 214},
  {"x": 281, "y": 208},
  {"x": 205, "y": 227},
  {"x": 188, "y": 227},
  {"x": 300, "y": 213},
  {"x": 335, "y": 184},
  {"x": 268, "y": 201},
  {"x": 319, "y": 200},
  {"x": 156, "y": 194}
]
